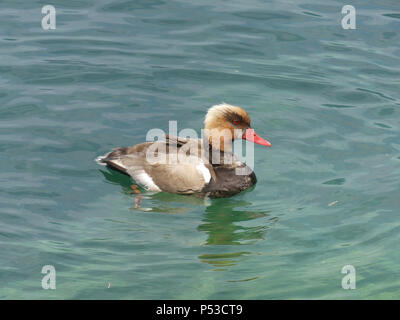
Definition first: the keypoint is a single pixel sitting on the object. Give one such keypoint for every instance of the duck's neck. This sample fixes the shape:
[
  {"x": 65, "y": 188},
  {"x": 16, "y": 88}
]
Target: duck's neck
[{"x": 218, "y": 156}]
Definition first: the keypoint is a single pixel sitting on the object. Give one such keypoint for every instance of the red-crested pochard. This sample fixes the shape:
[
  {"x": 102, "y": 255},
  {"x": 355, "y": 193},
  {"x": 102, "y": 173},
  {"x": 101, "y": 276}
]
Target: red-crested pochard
[{"x": 211, "y": 169}]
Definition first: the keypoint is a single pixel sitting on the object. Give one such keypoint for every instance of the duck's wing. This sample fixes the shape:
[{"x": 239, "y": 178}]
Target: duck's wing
[
  {"x": 178, "y": 141},
  {"x": 162, "y": 166}
]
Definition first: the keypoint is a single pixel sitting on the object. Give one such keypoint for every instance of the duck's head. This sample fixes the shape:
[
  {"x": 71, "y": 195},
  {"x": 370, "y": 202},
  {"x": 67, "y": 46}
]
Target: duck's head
[{"x": 225, "y": 123}]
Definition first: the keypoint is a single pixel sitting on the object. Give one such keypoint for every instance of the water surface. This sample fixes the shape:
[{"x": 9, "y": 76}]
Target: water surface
[{"x": 328, "y": 190}]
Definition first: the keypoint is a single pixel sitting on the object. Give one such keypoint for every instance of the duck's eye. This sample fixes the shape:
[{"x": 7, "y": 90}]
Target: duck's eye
[{"x": 236, "y": 122}]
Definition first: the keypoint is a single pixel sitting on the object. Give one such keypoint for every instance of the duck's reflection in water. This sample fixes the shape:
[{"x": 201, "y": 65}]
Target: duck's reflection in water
[
  {"x": 222, "y": 222},
  {"x": 229, "y": 223}
]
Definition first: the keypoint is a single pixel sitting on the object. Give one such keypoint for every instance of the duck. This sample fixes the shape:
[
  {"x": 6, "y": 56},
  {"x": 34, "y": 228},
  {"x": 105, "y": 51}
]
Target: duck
[{"x": 181, "y": 165}]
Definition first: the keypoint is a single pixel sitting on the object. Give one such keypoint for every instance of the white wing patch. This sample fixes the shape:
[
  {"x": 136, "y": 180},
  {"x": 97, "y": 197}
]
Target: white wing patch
[
  {"x": 201, "y": 168},
  {"x": 145, "y": 180}
]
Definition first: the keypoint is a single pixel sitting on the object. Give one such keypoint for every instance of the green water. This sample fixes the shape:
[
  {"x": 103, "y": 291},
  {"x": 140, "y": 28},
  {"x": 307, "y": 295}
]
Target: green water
[{"x": 327, "y": 195}]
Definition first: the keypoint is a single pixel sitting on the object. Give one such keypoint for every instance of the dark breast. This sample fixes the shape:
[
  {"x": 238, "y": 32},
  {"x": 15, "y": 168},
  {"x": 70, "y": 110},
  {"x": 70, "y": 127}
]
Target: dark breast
[{"x": 228, "y": 183}]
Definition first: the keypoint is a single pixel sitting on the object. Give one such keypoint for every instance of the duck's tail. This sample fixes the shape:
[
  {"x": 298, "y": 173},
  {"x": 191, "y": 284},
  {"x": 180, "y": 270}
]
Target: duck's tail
[{"x": 112, "y": 159}]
